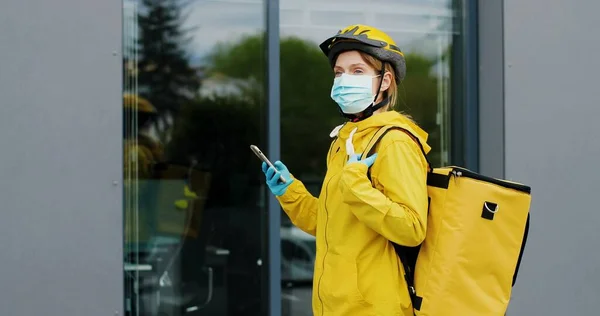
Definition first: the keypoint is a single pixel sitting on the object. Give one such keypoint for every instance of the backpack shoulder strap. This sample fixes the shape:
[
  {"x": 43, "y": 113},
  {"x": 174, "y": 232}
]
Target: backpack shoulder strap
[
  {"x": 370, "y": 149},
  {"x": 407, "y": 255}
]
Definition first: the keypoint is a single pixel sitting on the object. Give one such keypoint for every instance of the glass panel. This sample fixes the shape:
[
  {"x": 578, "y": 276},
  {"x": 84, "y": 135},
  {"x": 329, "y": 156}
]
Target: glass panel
[
  {"x": 424, "y": 30},
  {"x": 194, "y": 192}
]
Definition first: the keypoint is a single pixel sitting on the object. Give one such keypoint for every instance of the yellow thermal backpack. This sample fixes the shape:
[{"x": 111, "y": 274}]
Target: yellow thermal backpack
[{"x": 476, "y": 232}]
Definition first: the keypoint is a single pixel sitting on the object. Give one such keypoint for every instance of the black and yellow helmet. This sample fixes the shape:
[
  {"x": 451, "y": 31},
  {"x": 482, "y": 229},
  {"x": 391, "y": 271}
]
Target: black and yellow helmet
[{"x": 369, "y": 40}]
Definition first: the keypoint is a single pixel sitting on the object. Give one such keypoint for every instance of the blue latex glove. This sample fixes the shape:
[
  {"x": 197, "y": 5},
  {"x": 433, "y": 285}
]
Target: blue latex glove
[
  {"x": 275, "y": 184},
  {"x": 354, "y": 158}
]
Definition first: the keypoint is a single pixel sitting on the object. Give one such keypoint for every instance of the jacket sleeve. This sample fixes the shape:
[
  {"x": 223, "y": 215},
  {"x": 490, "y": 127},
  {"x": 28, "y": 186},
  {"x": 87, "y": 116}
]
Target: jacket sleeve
[
  {"x": 397, "y": 206},
  {"x": 300, "y": 206}
]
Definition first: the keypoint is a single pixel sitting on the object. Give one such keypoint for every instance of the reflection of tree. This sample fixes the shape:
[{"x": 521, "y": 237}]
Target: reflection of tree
[
  {"x": 217, "y": 133},
  {"x": 308, "y": 114},
  {"x": 307, "y": 111},
  {"x": 163, "y": 72},
  {"x": 419, "y": 98}
]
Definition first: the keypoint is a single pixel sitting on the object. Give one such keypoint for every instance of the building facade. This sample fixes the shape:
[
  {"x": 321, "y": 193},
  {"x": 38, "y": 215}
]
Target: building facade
[{"x": 129, "y": 187}]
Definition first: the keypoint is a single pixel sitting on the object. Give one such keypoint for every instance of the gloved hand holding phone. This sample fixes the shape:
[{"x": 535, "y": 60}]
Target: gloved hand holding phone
[
  {"x": 274, "y": 182},
  {"x": 278, "y": 175}
]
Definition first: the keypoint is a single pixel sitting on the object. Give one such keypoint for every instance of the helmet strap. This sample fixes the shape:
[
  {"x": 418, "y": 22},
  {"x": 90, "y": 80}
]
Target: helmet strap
[{"x": 368, "y": 112}]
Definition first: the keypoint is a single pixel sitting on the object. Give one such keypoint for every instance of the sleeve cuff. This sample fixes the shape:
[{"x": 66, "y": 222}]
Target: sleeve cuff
[
  {"x": 357, "y": 167},
  {"x": 292, "y": 192}
]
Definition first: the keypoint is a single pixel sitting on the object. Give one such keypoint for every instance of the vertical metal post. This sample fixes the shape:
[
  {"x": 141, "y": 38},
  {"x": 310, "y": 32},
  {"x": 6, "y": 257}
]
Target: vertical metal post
[
  {"x": 491, "y": 88},
  {"x": 471, "y": 59},
  {"x": 465, "y": 85},
  {"x": 273, "y": 143}
]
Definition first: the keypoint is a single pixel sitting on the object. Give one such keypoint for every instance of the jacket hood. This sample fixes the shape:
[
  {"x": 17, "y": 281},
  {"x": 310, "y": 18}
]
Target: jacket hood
[{"x": 367, "y": 127}]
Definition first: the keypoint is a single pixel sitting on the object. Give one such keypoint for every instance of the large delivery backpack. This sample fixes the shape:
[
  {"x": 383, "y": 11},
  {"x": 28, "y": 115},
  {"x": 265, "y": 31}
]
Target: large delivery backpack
[{"x": 476, "y": 232}]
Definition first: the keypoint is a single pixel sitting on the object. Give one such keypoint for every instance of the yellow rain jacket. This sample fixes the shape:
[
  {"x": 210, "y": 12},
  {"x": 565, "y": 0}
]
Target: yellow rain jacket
[{"x": 357, "y": 271}]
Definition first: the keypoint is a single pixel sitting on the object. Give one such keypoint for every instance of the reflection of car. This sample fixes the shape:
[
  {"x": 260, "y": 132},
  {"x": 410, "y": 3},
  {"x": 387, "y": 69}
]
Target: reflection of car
[{"x": 298, "y": 251}]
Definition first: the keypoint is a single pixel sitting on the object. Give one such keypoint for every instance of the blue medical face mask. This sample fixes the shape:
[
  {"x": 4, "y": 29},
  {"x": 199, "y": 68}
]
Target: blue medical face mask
[{"x": 353, "y": 93}]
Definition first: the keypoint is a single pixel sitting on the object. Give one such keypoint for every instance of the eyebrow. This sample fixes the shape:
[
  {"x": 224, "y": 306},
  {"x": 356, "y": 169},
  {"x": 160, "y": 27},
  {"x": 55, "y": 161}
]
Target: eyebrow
[{"x": 353, "y": 65}]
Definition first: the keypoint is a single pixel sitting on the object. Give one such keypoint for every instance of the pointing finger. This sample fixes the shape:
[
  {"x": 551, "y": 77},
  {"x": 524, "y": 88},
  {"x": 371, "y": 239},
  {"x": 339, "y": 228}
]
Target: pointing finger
[
  {"x": 279, "y": 165},
  {"x": 369, "y": 161}
]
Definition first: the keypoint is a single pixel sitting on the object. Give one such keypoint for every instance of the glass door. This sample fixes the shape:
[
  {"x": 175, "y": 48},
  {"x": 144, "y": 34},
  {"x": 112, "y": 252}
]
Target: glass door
[{"x": 194, "y": 213}]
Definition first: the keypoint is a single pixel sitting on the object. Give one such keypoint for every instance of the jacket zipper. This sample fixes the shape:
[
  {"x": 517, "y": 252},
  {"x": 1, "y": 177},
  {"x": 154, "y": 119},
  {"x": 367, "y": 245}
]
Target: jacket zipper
[
  {"x": 325, "y": 234},
  {"x": 460, "y": 172},
  {"x": 326, "y": 246}
]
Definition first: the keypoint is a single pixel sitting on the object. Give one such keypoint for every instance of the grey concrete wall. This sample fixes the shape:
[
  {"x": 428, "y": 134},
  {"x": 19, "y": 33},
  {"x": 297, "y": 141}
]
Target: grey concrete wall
[
  {"x": 60, "y": 135},
  {"x": 552, "y": 137}
]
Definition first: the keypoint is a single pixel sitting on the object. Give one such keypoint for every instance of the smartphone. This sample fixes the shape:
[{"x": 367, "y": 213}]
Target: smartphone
[{"x": 264, "y": 158}]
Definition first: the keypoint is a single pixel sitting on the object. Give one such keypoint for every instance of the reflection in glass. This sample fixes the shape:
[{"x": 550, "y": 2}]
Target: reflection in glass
[
  {"x": 422, "y": 29},
  {"x": 193, "y": 190}
]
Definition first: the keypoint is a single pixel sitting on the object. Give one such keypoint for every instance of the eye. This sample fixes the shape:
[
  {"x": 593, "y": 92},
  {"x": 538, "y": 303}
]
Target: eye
[
  {"x": 359, "y": 71},
  {"x": 338, "y": 73}
]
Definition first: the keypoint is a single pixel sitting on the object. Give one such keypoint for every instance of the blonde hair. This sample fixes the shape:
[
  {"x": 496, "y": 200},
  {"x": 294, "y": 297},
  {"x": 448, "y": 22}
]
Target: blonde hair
[{"x": 392, "y": 90}]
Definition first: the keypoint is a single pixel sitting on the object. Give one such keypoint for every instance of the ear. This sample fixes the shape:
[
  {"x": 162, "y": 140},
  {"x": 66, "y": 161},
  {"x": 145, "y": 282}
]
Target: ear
[{"x": 387, "y": 81}]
